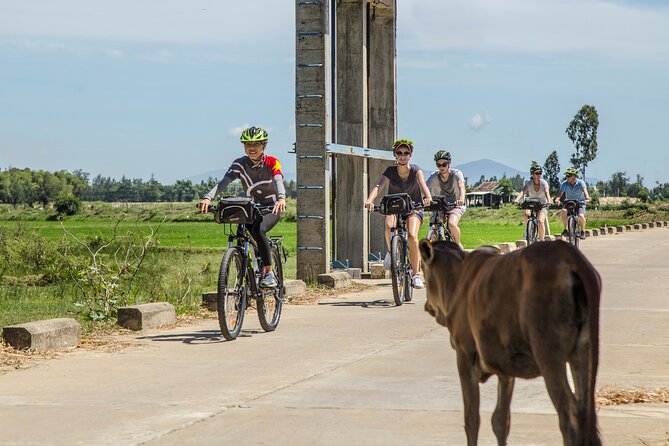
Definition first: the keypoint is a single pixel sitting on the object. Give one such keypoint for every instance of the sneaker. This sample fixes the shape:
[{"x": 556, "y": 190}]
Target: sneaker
[
  {"x": 386, "y": 261},
  {"x": 418, "y": 282},
  {"x": 565, "y": 233},
  {"x": 269, "y": 281}
]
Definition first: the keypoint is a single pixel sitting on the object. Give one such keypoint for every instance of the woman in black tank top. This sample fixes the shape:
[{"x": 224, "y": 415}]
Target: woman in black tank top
[{"x": 404, "y": 178}]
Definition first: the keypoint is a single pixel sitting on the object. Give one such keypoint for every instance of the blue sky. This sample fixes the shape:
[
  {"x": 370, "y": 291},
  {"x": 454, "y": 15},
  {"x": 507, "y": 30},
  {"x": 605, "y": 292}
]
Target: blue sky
[{"x": 163, "y": 87}]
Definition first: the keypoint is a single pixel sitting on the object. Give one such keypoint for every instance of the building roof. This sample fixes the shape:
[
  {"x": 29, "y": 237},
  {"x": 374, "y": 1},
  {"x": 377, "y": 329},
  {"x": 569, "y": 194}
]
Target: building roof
[{"x": 486, "y": 186}]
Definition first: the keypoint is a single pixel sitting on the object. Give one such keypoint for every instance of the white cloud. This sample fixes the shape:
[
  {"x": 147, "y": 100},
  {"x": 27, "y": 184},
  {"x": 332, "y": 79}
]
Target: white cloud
[
  {"x": 114, "y": 53},
  {"x": 536, "y": 26},
  {"x": 478, "y": 122}
]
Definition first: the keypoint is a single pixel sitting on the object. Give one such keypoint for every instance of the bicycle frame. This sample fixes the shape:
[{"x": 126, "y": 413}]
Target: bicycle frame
[{"x": 437, "y": 226}]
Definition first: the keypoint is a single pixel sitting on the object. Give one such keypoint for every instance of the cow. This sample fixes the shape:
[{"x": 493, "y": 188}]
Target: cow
[{"x": 524, "y": 314}]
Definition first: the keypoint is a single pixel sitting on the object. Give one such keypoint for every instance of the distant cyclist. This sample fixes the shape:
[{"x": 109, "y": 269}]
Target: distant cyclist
[
  {"x": 573, "y": 188},
  {"x": 404, "y": 178},
  {"x": 536, "y": 188},
  {"x": 262, "y": 179},
  {"x": 449, "y": 182}
]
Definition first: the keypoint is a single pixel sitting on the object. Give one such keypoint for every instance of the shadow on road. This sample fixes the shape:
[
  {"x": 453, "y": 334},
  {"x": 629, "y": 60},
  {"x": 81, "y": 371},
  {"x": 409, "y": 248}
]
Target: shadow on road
[
  {"x": 372, "y": 304},
  {"x": 200, "y": 337}
]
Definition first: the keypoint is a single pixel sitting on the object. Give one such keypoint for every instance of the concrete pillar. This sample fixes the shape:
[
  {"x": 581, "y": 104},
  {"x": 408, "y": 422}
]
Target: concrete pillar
[
  {"x": 382, "y": 100},
  {"x": 351, "y": 129},
  {"x": 312, "y": 129}
]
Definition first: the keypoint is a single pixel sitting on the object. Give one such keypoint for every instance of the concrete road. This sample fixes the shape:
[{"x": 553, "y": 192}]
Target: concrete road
[{"x": 351, "y": 370}]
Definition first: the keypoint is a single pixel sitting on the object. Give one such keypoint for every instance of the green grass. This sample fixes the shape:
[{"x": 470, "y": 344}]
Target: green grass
[{"x": 186, "y": 258}]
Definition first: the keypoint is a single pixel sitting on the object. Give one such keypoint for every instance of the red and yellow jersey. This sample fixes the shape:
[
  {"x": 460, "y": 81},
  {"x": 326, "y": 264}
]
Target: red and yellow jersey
[{"x": 262, "y": 181}]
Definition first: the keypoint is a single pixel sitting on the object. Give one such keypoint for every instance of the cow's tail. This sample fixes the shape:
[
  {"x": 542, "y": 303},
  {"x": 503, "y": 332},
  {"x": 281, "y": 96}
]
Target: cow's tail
[{"x": 591, "y": 283}]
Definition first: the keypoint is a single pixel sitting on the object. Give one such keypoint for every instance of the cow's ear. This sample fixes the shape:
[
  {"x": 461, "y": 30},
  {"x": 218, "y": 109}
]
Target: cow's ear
[{"x": 425, "y": 250}]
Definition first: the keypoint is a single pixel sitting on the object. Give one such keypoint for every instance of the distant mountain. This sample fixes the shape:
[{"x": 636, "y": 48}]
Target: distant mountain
[
  {"x": 218, "y": 174},
  {"x": 488, "y": 168}
]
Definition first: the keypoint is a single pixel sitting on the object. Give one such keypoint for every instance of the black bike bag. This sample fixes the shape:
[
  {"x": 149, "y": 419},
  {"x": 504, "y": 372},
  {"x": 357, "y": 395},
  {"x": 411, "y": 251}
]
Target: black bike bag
[
  {"x": 532, "y": 204},
  {"x": 236, "y": 210},
  {"x": 396, "y": 204}
]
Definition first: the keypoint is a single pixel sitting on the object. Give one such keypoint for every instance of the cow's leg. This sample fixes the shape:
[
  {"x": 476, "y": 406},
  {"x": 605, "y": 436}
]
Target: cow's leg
[
  {"x": 555, "y": 376},
  {"x": 501, "y": 418},
  {"x": 470, "y": 395}
]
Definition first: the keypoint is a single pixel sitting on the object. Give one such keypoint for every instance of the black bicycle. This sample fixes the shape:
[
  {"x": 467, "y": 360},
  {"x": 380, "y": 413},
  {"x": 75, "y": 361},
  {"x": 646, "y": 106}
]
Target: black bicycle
[
  {"x": 401, "y": 271},
  {"x": 438, "y": 229},
  {"x": 572, "y": 207},
  {"x": 532, "y": 226},
  {"x": 241, "y": 269}
]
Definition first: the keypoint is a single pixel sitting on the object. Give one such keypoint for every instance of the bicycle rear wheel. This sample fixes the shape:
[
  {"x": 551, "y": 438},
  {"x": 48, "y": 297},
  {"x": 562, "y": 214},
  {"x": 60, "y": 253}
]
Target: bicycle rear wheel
[
  {"x": 396, "y": 269},
  {"x": 232, "y": 294},
  {"x": 573, "y": 231},
  {"x": 270, "y": 302}
]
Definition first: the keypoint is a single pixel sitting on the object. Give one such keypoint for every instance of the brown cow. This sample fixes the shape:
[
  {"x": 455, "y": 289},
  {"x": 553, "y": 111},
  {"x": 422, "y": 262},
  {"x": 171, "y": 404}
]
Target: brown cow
[{"x": 524, "y": 314}]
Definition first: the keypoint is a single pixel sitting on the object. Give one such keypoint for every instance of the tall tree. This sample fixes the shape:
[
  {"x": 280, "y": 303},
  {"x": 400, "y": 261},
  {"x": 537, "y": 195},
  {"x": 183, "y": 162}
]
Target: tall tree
[
  {"x": 552, "y": 172},
  {"x": 582, "y": 131},
  {"x": 619, "y": 183}
]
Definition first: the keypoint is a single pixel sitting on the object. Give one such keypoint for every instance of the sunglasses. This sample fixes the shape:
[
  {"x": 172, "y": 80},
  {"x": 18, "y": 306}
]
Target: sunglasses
[
  {"x": 403, "y": 153},
  {"x": 537, "y": 173},
  {"x": 442, "y": 164}
]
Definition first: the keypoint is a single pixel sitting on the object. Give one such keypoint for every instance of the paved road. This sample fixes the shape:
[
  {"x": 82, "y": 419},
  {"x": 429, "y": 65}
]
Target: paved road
[{"x": 351, "y": 370}]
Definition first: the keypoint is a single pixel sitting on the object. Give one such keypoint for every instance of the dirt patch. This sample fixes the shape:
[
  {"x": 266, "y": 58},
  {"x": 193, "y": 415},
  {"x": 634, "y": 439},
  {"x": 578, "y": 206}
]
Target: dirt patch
[
  {"x": 613, "y": 396},
  {"x": 313, "y": 295}
]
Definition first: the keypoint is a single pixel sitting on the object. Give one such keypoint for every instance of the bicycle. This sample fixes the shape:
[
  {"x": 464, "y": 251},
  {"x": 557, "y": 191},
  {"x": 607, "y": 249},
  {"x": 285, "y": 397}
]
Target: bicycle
[
  {"x": 572, "y": 207},
  {"x": 241, "y": 270},
  {"x": 401, "y": 271},
  {"x": 439, "y": 230},
  {"x": 532, "y": 226}
]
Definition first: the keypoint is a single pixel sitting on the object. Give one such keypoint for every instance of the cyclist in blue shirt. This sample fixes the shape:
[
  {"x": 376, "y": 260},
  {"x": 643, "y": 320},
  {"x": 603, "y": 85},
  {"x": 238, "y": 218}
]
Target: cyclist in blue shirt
[{"x": 573, "y": 188}]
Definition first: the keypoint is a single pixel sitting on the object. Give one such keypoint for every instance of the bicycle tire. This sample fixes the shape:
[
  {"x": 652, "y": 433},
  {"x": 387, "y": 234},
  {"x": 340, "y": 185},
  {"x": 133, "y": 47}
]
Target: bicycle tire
[
  {"x": 396, "y": 272},
  {"x": 532, "y": 231},
  {"x": 573, "y": 234},
  {"x": 231, "y": 294},
  {"x": 270, "y": 303}
]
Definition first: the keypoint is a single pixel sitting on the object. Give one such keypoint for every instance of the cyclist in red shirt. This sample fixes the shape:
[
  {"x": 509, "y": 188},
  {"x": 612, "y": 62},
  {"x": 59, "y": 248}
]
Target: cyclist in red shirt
[{"x": 262, "y": 179}]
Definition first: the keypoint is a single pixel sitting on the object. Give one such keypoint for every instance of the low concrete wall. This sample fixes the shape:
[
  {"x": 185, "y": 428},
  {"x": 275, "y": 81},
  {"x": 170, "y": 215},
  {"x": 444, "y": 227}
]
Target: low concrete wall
[
  {"x": 144, "y": 316},
  {"x": 336, "y": 279},
  {"x": 521, "y": 244},
  {"x": 294, "y": 288},
  {"x": 506, "y": 247},
  {"x": 377, "y": 271},
  {"x": 43, "y": 335}
]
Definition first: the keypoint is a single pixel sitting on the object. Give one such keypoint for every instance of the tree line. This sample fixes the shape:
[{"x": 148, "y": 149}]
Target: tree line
[{"x": 32, "y": 187}]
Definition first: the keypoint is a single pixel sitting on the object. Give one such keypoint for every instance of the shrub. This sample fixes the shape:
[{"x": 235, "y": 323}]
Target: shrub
[{"x": 67, "y": 204}]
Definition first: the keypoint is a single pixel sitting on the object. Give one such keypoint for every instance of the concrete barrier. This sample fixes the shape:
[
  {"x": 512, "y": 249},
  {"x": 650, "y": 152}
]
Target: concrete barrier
[
  {"x": 644, "y": 225},
  {"x": 651, "y": 224},
  {"x": 377, "y": 271},
  {"x": 144, "y": 316},
  {"x": 595, "y": 232},
  {"x": 588, "y": 232},
  {"x": 506, "y": 248},
  {"x": 336, "y": 279},
  {"x": 628, "y": 228},
  {"x": 602, "y": 231},
  {"x": 620, "y": 228},
  {"x": 294, "y": 288},
  {"x": 637, "y": 227},
  {"x": 521, "y": 244},
  {"x": 209, "y": 300},
  {"x": 48, "y": 334}
]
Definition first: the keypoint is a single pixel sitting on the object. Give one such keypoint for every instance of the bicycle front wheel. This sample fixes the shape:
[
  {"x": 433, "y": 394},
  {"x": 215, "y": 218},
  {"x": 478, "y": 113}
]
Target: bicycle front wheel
[
  {"x": 532, "y": 232},
  {"x": 573, "y": 231},
  {"x": 397, "y": 269},
  {"x": 270, "y": 302},
  {"x": 232, "y": 294}
]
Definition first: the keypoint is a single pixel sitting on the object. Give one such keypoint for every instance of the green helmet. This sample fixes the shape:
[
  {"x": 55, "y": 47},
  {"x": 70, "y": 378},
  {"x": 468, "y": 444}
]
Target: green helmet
[
  {"x": 254, "y": 134},
  {"x": 403, "y": 142},
  {"x": 442, "y": 155},
  {"x": 534, "y": 167},
  {"x": 571, "y": 171}
]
